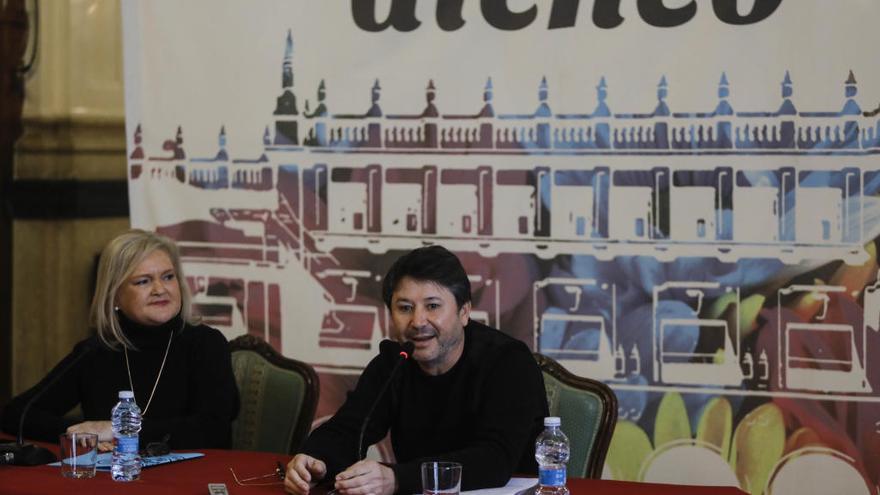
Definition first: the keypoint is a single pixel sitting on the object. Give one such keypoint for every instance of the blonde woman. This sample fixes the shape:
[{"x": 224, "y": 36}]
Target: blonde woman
[{"x": 147, "y": 342}]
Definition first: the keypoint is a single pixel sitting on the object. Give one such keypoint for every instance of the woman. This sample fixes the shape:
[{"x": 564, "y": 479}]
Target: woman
[{"x": 146, "y": 341}]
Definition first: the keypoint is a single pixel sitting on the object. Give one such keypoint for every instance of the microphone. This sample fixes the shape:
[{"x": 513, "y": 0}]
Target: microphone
[
  {"x": 386, "y": 346},
  {"x": 21, "y": 454}
]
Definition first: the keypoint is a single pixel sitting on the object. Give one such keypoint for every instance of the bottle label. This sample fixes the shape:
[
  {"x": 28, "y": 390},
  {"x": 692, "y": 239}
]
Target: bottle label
[
  {"x": 126, "y": 445},
  {"x": 551, "y": 476}
]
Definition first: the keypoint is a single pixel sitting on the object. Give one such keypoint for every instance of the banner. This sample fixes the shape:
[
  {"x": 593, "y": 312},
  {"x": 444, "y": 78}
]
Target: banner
[{"x": 678, "y": 198}]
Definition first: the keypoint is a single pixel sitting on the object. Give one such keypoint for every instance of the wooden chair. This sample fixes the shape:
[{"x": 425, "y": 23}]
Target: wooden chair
[
  {"x": 278, "y": 397},
  {"x": 588, "y": 409}
]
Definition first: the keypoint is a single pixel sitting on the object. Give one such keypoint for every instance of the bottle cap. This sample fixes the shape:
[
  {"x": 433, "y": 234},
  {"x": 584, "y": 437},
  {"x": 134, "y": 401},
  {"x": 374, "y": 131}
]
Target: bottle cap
[
  {"x": 552, "y": 421},
  {"x": 126, "y": 394}
]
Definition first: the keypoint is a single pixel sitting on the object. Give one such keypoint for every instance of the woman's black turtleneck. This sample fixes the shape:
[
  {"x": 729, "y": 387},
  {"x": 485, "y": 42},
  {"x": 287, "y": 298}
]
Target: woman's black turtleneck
[{"x": 195, "y": 401}]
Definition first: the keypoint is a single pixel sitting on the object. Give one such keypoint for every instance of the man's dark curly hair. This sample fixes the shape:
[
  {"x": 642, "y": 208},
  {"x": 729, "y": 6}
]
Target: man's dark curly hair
[{"x": 429, "y": 264}]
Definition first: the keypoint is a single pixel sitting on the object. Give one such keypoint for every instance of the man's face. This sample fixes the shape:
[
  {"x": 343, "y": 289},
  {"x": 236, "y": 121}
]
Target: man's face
[{"x": 426, "y": 314}]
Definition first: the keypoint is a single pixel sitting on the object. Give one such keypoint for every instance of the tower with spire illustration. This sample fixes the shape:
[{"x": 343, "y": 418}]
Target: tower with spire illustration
[
  {"x": 851, "y": 109},
  {"x": 543, "y": 115},
  {"x": 286, "y": 125}
]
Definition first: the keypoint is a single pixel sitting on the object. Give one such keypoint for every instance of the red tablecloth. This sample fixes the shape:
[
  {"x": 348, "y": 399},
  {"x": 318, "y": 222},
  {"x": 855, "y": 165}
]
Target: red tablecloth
[
  {"x": 580, "y": 486},
  {"x": 183, "y": 477},
  {"x": 193, "y": 476}
]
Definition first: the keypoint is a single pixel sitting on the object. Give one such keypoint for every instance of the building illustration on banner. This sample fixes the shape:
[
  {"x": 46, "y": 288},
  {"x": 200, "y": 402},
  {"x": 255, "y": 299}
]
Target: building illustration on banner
[
  {"x": 717, "y": 365},
  {"x": 298, "y": 238},
  {"x": 596, "y": 351},
  {"x": 803, "y": 366}
]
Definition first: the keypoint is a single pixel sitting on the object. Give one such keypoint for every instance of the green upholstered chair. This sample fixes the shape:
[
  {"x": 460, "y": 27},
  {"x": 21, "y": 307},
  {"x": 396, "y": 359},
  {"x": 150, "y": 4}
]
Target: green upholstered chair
[
  {"x": 278, "y": 397},
  {"x": 588, "y": 409}
]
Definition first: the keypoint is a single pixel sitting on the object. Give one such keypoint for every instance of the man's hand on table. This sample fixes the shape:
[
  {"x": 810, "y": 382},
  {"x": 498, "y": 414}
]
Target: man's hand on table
[
  {"x": 361, "y": 478},
  {"x": 366, "y": 478},
  {"x": 302, "y": 473}
]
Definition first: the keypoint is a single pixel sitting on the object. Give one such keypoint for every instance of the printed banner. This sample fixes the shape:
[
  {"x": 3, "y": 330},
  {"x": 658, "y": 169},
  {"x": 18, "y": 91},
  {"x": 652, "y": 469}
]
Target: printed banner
[{"x": 678, "y": 198}]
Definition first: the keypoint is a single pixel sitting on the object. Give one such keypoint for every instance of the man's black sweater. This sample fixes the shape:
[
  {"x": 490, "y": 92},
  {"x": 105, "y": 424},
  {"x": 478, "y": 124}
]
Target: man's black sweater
[{"x": 485, "y": 412}]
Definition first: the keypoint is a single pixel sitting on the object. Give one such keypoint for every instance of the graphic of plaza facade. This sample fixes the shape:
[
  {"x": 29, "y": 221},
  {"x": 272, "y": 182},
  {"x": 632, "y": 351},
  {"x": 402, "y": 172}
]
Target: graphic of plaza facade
[{"x": 300, "y": 236}]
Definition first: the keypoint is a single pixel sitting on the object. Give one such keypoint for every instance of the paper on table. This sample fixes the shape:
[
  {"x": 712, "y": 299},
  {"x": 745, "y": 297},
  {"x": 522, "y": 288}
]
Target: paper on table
[
  {"x": 515, "y": 486},
  {"x": 104, "y": 459}
]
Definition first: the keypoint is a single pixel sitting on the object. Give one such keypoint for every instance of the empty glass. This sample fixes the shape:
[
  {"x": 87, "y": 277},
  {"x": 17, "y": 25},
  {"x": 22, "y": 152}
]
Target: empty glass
[
  {"x": 79, "y": 454},
  {"x": 441, "y": 478}
]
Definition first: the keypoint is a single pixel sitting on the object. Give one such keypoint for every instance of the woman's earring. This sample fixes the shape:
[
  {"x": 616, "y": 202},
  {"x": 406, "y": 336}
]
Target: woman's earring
[{"x": 116, "y": 308}]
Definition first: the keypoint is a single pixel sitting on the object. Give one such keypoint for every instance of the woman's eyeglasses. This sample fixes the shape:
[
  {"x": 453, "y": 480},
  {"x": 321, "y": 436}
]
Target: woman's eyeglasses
[{"x": 154, "y": 449}]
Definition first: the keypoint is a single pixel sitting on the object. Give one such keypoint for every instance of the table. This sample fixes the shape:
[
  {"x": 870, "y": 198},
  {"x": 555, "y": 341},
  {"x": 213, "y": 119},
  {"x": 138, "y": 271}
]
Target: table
[
  {"x": 183, "y": 477},
  {"x": 582, "y": 486},
  {"x": 193, "y": 476}
]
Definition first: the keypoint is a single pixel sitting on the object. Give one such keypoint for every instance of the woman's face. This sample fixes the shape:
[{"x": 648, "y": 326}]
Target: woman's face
[{"x": 151, "y": 294}]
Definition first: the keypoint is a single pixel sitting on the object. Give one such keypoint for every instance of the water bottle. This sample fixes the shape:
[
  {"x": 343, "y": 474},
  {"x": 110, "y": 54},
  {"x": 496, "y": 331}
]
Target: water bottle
[
  {"x": 551, "y": 452},
  {"x": 126, "y": 422}
]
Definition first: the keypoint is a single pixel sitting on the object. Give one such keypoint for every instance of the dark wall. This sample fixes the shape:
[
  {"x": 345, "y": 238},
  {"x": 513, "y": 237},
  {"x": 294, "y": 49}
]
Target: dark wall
[{"x": 13, "y": 42}]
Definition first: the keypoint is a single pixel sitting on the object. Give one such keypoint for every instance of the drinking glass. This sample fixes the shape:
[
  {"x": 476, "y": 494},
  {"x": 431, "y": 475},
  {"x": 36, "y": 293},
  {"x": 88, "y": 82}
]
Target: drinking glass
[
  {"x": 441, "y": 478},
  {"x": 79, "y": 454}
]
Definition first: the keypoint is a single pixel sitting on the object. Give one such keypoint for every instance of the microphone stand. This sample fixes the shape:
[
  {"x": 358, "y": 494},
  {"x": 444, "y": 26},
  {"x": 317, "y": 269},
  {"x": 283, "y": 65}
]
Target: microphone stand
[
  {"x": 22, "y": 454},
  {"x": 406, "y": 350}
]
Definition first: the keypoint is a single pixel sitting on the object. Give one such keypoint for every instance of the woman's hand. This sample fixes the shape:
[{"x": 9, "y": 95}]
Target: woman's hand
[{"x": 102, "y": 428}]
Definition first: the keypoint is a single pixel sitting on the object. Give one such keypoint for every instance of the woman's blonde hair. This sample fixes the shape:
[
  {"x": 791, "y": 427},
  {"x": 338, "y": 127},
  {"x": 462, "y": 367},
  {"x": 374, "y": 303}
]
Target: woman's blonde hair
[{"x": 118, "y": 261}]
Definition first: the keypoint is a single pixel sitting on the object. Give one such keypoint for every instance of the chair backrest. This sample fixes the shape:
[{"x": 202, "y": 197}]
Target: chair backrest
[
  {"x": 278, "y": 397},
  {"x": 588, "y": 409}
]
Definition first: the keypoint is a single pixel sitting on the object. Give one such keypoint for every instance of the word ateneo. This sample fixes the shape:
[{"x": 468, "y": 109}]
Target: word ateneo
[{"x": 606, "y": 13}]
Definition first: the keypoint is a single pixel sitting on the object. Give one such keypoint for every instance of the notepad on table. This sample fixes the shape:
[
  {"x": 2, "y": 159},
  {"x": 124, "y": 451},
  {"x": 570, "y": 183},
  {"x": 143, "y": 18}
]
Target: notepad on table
[{"x": 146, "y": 462}]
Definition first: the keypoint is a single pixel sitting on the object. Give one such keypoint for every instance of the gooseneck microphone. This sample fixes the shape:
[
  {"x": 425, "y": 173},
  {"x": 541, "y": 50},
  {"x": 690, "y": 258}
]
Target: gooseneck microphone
[
  {"x": 385, "y": 346},
  {"x": 21, "y": 454}
]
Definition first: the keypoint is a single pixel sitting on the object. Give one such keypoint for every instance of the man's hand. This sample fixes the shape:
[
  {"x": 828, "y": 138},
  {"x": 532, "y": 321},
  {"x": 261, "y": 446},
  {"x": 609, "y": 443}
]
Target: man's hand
[
  {"x": 303, "y": 471},
  {"x": 366, "y": 478}
]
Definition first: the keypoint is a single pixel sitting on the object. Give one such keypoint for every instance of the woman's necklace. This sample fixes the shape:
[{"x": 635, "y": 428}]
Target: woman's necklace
[{"x": 156, "y": 384}]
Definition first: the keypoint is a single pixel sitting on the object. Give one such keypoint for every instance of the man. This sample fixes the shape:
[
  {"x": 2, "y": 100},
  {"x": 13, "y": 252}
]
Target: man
[{"x": 470, "y": 394}]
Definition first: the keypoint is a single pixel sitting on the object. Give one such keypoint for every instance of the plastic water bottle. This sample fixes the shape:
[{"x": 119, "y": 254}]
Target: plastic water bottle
[
  {"x": 126, "y": 422},
  {"x": 551, "y": 452}
]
